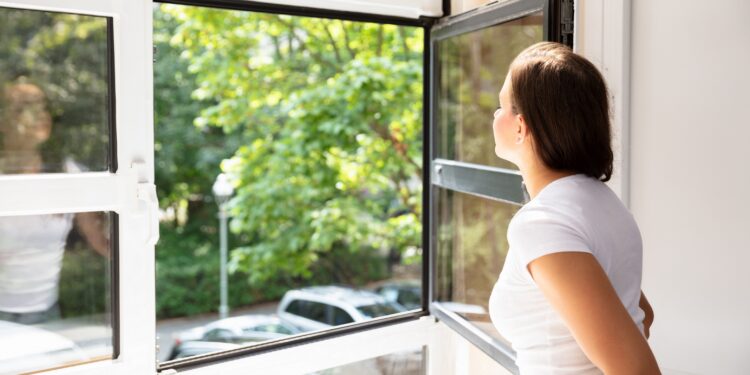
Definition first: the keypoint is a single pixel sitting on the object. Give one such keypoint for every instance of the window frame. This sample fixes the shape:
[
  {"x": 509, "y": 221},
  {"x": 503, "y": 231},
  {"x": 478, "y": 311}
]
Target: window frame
[
  {"x": 375, "y": 326},
  {"x": 127, "y": 192},
  {"x": 487, "y": 182}
]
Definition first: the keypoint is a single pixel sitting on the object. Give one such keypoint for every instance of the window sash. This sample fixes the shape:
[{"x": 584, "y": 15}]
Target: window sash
[
  {"x": 316, "y": 355},
  {"x": 129, "y": 191},
  {"x": 119, "y": 192},
  {"x": 256, "y": 353},
  {"x": 483, "y": 181}
]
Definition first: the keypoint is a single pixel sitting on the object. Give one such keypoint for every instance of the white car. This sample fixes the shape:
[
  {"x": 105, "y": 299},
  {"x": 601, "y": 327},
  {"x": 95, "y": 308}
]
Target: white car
[
  {"x": 322, "y": 307},
  {"x": 239, "y": 330},
  {"x": 26, "y": 348}
]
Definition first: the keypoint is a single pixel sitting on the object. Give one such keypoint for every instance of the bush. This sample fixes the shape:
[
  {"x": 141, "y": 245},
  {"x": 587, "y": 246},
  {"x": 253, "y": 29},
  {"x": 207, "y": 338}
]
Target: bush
[{"x": 84, "y": 282}]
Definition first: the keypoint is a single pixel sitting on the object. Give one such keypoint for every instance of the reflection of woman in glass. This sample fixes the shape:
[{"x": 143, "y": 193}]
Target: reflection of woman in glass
[
  {"x": 569, "y": 295},
  {"x": 31, "y": 247}
]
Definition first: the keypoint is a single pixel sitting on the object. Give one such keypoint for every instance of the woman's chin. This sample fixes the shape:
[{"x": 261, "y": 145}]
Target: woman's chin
[
  {"x": 499, "y": 152},
  {"x": 503, "y": 154}
]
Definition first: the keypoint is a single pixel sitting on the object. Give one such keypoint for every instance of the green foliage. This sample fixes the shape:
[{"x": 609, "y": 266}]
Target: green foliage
[
  {"x": 187, "y": 161},
  {"x": 84, "y": 282},
  {"x": 318, "y": 121},
  {"x": 190, "y": 146},
  {"x": 329, "y": 113},
  {"x": 66, "y": 56}
]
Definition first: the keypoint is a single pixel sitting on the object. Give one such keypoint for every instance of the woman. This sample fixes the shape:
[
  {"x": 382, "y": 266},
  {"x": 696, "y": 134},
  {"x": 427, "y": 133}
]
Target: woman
[
  {"x": 32, "y": 246},
  {"x": 569, "y": 295}
]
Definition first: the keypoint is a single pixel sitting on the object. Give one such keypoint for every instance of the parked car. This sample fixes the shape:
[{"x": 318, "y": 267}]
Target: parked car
[
  {"x": 407, "y": 293},
  {"x": 191, "y": 348},
  {"x": 27, "y": 348},
  {"x": 321, "y": 307},
  {"x": 236, "y": 330}
]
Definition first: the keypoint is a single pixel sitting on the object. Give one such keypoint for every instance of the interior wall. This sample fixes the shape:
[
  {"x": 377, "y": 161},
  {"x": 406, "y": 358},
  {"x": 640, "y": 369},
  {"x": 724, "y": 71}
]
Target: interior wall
[{"x": 690, "y": 178}]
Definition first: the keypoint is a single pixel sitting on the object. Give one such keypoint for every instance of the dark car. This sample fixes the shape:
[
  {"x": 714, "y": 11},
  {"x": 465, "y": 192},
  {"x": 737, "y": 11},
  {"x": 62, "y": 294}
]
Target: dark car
[
  {"x": 191, "y": 348},
  {"x": 406, "y": 293}
]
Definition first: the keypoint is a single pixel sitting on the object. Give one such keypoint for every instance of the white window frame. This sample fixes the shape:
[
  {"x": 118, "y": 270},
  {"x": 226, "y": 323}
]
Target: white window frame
[
  {"x": 602, "y": 34},
  {"x": 396, "y": 8},
  {"x": 130, "y": 192},
  {"x": 329, "y": 353}
]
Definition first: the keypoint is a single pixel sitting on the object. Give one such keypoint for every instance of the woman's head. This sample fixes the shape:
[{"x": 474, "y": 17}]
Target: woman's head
[
  {"x": 24, "y": 118},
  {"x": 554, "y": 103}
]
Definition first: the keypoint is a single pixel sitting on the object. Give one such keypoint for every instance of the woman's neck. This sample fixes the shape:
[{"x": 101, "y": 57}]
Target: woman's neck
[
  {"x": 536, "y": 176},
  {"x": 20, "y": 157}
]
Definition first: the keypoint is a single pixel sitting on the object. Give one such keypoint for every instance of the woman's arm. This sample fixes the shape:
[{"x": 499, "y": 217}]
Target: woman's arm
[
  {"x": 648, "y": 320},
  {"x": 577, "y": 288},
  {"x": 90, "y": 224}
]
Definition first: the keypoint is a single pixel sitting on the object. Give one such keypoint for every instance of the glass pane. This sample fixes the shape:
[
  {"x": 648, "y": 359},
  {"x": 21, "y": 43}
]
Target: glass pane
[
  {"x": 55, "y": 290},
  {"x": 472, "y": 69},
  {"x": 54, "y": 92},
  {"x": 410, "y": 362},
  {"x": 317, "y": 124},
  {"x": 471, "y": 249}
]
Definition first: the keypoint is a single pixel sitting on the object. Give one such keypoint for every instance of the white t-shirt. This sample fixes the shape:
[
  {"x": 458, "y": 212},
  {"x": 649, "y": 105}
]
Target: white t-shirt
[
  {"x": 573, "y": 213},
  {"x": 31, "y": 253}
]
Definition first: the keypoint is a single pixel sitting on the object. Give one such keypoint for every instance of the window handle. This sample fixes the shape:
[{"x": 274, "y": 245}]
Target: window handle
[
  {"x": 147, "y": 194},
  {"x": 147, "y": 201}
]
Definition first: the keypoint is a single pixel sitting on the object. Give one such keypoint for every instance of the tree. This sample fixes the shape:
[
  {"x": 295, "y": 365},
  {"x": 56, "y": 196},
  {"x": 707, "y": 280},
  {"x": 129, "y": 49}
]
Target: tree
[{"x": 329, "y": 117}]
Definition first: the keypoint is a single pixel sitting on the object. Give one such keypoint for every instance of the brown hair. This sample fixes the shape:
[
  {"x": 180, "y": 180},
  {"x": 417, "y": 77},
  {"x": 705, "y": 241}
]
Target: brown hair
[
  {"x": 15, "y": 97},
  {"x": 564, "y": 100}
]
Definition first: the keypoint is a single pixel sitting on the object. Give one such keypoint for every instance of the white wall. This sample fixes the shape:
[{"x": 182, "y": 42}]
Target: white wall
[{"x": 690, "y": 178}]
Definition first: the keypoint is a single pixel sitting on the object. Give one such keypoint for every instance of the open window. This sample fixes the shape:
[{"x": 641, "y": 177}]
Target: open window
[
  {"x": 474, "y": 194},
  {"x": 78, "y": 206},
  {"x": 97, "y": 92}
]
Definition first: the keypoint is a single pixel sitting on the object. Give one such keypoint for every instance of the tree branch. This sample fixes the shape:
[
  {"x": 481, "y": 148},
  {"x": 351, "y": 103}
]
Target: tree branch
[
  {"x": 400, "y": 147},
  {"x": 316, "y": 55},
  {"x": 277, "y": 47},
  {"x": 333, "y": 43},
  {"x": 379, "y": 49},
  {"x": 349, "y": 48},
  {"x": 402, "y": 34}
]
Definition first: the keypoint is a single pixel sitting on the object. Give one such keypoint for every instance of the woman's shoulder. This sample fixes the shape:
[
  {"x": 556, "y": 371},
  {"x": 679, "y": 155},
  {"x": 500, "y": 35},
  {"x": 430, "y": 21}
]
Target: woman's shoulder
[{"x": 572, "y": 197}]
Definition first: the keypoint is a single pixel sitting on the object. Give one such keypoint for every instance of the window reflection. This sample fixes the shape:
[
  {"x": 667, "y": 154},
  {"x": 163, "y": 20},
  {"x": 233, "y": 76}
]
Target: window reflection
[
  {"x": 55, "y": 301},
  {"x": 471, "y": 246},
  {"x": 54, "y": 92},
  {"x": 410, "y": 362},
  {"x": 473, "y": 67}
]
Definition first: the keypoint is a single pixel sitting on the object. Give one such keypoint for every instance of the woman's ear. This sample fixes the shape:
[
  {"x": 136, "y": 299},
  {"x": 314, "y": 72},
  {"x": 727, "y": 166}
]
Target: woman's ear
[{"x": 522, "y": 130}]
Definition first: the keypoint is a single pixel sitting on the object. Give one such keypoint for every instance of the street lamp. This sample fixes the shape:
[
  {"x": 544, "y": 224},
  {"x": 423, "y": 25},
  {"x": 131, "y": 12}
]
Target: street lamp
[{"x": 223, "y": 190}]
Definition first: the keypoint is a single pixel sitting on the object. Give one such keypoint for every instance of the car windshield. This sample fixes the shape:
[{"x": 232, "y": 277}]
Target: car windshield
[{"x": 378, "y": 309}]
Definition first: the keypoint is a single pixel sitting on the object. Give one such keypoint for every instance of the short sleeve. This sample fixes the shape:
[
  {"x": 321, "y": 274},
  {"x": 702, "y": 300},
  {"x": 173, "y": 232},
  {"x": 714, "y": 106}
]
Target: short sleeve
[{"x": 538, "y": 231}]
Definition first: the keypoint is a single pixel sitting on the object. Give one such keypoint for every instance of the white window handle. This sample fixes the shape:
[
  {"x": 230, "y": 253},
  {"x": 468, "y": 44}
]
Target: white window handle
[{"x": 147, "y": 194}]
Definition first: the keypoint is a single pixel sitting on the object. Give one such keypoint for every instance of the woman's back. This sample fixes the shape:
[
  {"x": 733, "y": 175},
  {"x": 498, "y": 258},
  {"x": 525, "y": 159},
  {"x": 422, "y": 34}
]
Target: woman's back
[{"x": 573, "y": 213}]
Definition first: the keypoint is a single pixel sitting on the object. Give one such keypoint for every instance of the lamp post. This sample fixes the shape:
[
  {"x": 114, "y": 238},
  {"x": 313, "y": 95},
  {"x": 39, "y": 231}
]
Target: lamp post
[{"x": 223, "y": 190}]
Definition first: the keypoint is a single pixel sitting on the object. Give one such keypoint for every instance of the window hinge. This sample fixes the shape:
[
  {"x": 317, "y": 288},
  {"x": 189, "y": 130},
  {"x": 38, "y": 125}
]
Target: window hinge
[{"x": 566, "y": 22}]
